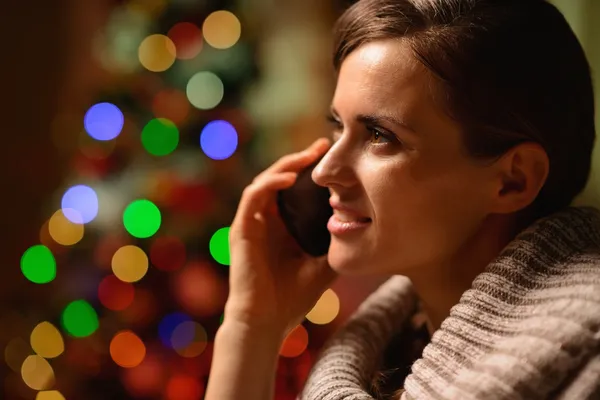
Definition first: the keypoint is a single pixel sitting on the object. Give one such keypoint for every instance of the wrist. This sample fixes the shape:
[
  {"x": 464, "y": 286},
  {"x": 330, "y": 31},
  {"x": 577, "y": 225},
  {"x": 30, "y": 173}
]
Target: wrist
[
  {"x": 241, "y": 329},
  {"x": 250, "y": 320}
]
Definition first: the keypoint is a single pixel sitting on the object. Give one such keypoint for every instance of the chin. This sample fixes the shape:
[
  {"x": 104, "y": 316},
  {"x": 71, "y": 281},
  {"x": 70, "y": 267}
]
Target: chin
[{"x": 347, "y": 259}]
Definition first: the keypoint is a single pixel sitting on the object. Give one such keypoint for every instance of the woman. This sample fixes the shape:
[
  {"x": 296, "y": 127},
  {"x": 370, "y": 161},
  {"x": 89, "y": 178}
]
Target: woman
[{"x": 462, "y": 131}]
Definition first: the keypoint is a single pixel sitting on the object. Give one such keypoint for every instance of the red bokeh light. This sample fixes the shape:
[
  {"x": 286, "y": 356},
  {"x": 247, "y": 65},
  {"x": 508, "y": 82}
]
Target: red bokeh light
[
  {"x": 187, "y": 38},
  {"x": 115, "y": 294},
  {"x": 200, "y": 290},
  {"x": 184, "y": 387},
  {"x": 167, "y": 253},
  {"x": 145, "y": 380}
]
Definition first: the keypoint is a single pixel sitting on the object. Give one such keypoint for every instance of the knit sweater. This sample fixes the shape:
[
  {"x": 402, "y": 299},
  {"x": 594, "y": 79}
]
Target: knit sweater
[{"x": 528, "y": 328}]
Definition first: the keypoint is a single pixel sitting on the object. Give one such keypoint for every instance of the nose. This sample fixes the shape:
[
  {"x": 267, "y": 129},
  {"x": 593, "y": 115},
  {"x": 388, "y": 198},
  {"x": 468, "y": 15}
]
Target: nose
[{"x": 335, "y": 168}]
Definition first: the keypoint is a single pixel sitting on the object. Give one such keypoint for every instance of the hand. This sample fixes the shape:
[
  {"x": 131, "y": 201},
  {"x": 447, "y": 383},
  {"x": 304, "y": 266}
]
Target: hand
[{"x": 273, "y": 283}]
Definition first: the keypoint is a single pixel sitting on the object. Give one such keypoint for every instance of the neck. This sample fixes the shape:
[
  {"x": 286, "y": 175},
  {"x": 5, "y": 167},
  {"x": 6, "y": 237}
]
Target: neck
[{"x": 441, "y": 286}]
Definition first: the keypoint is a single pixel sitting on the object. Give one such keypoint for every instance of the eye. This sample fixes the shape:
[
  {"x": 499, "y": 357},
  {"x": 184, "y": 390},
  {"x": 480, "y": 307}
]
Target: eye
[
  {"x": 336, "y": 125},
  {"x": 379, "y": 136}
]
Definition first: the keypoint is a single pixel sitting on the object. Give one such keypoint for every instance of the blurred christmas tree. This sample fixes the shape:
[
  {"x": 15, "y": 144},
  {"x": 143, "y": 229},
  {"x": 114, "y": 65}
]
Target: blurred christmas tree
[{"x": 135, "y": 253}]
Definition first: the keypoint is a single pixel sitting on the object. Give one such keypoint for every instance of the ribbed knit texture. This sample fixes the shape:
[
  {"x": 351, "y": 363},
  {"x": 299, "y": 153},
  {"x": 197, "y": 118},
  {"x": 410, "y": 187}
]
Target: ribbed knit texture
[{"x": 529, "y": 327}]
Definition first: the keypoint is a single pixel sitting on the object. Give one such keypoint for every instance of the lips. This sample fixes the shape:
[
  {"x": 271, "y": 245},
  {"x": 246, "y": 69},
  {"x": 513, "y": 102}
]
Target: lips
[
  {"x": 344, "y": 213},
  {"x": 343, "y": 216}
]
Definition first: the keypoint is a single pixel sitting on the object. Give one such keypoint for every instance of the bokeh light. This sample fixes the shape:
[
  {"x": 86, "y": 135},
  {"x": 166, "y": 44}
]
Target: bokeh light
[
  {"x": 106, "y": 248},
  {"x": 38, "y": 264},
  {"x": 104, "y": 121},
  {"x": 160, "y": 137},
  {"x": 295, "y": 342},
  {"x": 205, "y": 90},
  {"x": 183, "y": 387},
  {"x": 187, "y": 38},
  {"x": 326, "y": 308},
  {"x": 127, "y": 349},
  {"x": 171, "y": 104},
  {"x": 219, "y": 246},
  {"x": 146, "y": 379},
  {"x": 199, "y": 289},
  {"x": 49, "y": 395},
  {"x": 47, "y": 240},
  {"x": 15, "y": 352},
  {"x": 157, "y": 53},
  {"x": 168, "y": 253},
  {"x": 142, "y": 311},
  {"x": 189, "y": 339},
  {"x": 221, "y": 29},
  {"x": 130, "y": 263},
  {"x": 63, "y": 230},
  {"x": 142, "y": 218},
  {"x": 46, "y": 340},
  {"x": 218, "y": 140},
  {"x": 80, "y": 204},
  {"x": 167, "y": 325},
  {"x": 37, "y": 373},
  {"x": 115, "y": 294},
  {"x": 79, "y": 319}
]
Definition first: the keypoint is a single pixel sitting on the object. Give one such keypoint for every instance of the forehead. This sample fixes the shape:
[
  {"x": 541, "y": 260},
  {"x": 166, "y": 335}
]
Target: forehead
[{"x": 383, "y": 76}]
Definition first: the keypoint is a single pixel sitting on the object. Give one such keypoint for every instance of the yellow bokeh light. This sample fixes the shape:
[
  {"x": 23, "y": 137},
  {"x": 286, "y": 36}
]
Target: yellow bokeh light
[
  {"x": 157, "y": 53},
  {"x": 50, "y": 395},
  {"x": 47, "y": 341},
  {"x": 221, "y": 29},
  {"x": 130, "y": 263},
  {"x": 326, "y": 309},
  {"x": 64, "y": 231},
  {"x": 15, "y": 352},
  {"x": 205, "y": 90},
  {"x": 37, "y": 373}
]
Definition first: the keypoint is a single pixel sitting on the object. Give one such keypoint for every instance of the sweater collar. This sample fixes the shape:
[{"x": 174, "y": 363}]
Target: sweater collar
[{"x": 521, "y": 308}]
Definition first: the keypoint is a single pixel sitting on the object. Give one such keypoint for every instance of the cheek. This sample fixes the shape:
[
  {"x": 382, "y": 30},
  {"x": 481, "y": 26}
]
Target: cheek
[{"x": 422, "y": 221}]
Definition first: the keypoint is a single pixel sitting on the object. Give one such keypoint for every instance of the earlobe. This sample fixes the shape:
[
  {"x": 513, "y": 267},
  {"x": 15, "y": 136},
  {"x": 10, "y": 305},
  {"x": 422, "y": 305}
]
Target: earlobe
[{"x": 522, "y": 172}]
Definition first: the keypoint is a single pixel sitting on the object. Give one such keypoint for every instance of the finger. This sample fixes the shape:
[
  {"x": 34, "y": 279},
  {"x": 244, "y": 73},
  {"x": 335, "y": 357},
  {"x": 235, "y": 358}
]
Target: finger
[
  {"x": 296, "y": 161},
  {"x": 255, "y": 200}
]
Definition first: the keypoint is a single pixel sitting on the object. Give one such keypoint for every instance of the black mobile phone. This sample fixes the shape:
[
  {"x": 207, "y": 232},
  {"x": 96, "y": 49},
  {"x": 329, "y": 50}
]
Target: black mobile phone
[{"x": 304, "y": 208}]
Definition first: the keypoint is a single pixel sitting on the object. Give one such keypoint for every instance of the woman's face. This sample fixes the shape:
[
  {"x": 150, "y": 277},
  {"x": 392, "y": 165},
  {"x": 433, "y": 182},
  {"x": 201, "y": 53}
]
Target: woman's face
[{"x": 397, "y": 163}]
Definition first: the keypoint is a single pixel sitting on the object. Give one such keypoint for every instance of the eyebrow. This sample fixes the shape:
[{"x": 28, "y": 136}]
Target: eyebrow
[{"x": 373, "y": 119}]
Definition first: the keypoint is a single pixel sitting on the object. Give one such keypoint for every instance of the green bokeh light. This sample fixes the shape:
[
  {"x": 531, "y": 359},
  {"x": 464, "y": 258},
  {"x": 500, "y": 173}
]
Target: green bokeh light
[
  {"x": 142, "y": 218},
  {"x": 38, "y": 264},
  {"x": 160, "y": 137},
  {"x": 79, "y": 319},
  {"x": 219, "y": 246}
]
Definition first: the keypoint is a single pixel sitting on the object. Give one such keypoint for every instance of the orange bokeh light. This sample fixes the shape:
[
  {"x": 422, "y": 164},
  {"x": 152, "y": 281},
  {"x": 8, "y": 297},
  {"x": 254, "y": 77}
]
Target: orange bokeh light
[
  {"x": 127, "y": 349},
  {"x": 295, "y": 342},
  {"x": 171, "y": 104}
]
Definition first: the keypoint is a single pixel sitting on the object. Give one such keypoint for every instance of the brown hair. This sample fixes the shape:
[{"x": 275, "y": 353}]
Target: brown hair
[{"x": 509, "y": 71}]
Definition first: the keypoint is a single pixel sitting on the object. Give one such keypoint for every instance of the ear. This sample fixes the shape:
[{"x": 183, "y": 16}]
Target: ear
[{"x": 521, "y": 174}]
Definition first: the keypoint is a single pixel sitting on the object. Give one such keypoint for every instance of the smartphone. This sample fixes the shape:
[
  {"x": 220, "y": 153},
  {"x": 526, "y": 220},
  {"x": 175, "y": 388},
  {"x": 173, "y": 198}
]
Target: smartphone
[{"x": 305, "y": 210}]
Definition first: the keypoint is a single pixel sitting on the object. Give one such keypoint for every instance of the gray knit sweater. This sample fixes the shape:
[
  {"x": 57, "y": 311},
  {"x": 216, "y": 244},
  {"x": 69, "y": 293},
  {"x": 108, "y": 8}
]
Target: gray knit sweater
[{"x": 529, "y": 327}]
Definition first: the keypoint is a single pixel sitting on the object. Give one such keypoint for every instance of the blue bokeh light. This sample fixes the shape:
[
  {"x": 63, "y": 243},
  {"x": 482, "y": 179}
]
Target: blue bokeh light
[
  {"x": 166, "y": 327},
  {"x": 183, "y": 335},
  {"x": 219, "y": 140},
  {"x": 103, "y": 121},
  {"x": 80, "y": 204}
]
